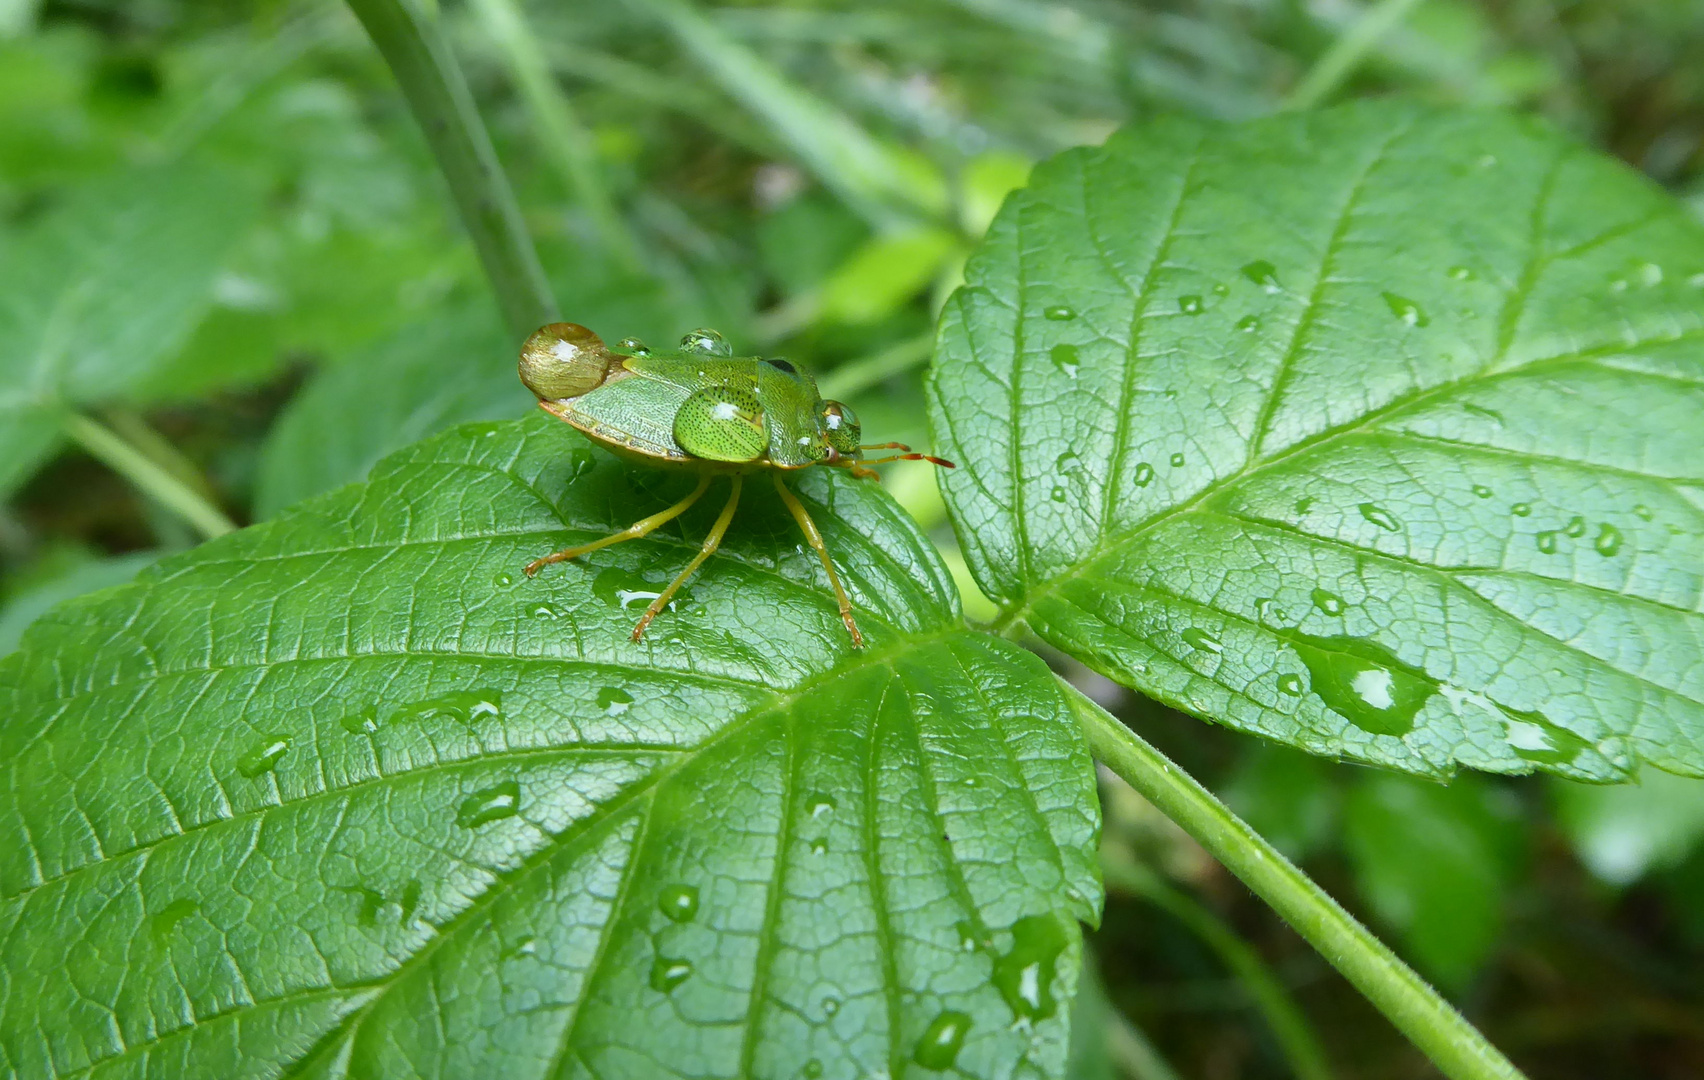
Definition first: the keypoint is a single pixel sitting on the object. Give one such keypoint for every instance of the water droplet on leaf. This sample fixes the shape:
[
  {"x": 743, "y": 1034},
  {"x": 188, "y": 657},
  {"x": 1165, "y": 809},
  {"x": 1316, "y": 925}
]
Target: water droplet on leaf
[
  {"x": 1262, "y": 273},
  {"x": 1248, "y": 324},
  {"x": 1197, "y": 638},
  {"x": 633, "y": 346},
  {"x": 1546, "y": 541},
  {"x": 1144, "y": 474},
  {"x": 264, "y": 756},
  {"x": 1643, "y": 511},
  {"x": 679, "y": 902},
  {"x": 1065, "y": 359},
  {"x": 623, "y": 588},
  {"x": 1461, "y": 273},
  {"x": 1177, "y": 461},
  {"x": 1024, "y": 976},
  {"x": 1328, "y": 602},
  {"x": 502, "y": 579},
  {"x": 1482, "y": 491},
  {"x": 1364, "y": 682},
  {"x": 666, "y": 974},
  {"x": 830, "y": 1005},
  {"x": 364, "y": 722},
  {"x": 613, "y": 700},
  {"x": 1521, "y": 509},
  {"x": 1379, "y": 516},
  {"x": 942, "y": 1040},
  {"x": 1189, "y": 305},
  {"x": 466, "y": 707},
  {"x": 1410, "y": 313},
  {"x": 489, "y": 804},
  {"x": 1608, "y": 540},
  {"x": 163, "y": 922},
  {"x": 1057, "y": 494},
  {"x": 1576, "y": 527},
  {"x": 1533, "y": 737},
  {"x": 1290, "y": 684}
]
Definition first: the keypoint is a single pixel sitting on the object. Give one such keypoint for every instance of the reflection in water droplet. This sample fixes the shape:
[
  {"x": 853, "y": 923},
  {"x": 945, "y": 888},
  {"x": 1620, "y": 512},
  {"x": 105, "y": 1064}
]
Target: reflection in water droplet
[
  {"x": 489, "y": 804},
  {"x": 1248, "y": 324},
  {"x": 1328, "y": 602},
  {"x": 1291, "y": 684},
  {"x": 164, "y": 921},
  {"x": 503, "y": 579},
  {"x": 1364, "y": 682},
  {"x": 1461, "y": 273},
  {"x": 623, "y": 588},
  {"x": 1533, "y": 737},
  {"x": 1177, "y": 461},
  {"x": 364, "y": 722},
  {"x": 1406, "y": 310},
  {"x": 707, "y": 341},
  {"x": 1024, "y": 976},
  {"x": 1198, "y": 638},
  {"x": 939, "y": 1047},
  {"x": 1521, "y": 509},
  {"x": 1608, "y": 540},
  {"x": 1547, "y": 541},
  {"x": 1060, "y": 313},
  {"x": 1065, "y": 359},
  {"x": 1576, "y": 527},
  {"x": 526, "y": 946},
  {"x": 1262, "y": 273},
  {"x": 1482, "y": 491},
  {"x": 1189, "y": 305},
  {"x": 1379, "y": 516},
  {"x": 613, "y": 700},
  {"x": 679, "y": 902},
  {"x": 263, "y": 757},
  {"x": 1144, "y": 474},
  {"x": 820, "y": 806},
  {"x": 666, "y": 974}
]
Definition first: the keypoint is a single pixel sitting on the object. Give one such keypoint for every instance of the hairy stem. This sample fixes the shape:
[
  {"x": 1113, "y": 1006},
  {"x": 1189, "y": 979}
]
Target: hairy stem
[
  {"x": 153, "y": 480},
  {"x": 414, "y": 46},
  {"x": 1455, "y": 1046}
]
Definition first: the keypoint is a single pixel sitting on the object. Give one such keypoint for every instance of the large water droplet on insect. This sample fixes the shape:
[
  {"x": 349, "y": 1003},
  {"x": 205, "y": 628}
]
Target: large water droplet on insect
[
  {"x": 489, "y": 804},
  {"x": 707, "y": 341},
  {"x": 364, "y": 722},
  {"x": 613, "y": 700},
  {"x": 1408, "y": 311},
  {"x": 466, "y": 707},
  {"x": 1197, "y": 638},
  {"x": 1060, "y": 313},
  {"x": 634, "y": 347},
  {"x": 1144, "y": 474},
  {"x": 1364, "y": 682},
  {"x": 679, "y": 902},
  {"x": 1379, "y": 516},
  {"x": 1065, "y": 359},
  {"x": 1608, "y": 540},
  {"x": 942, "y": 1040},
  {"x": 1328, "y": 602},
  {"x": 1024, "y": 976},
  {"x": 668, "y": 973},
  {"x": 1190, "y": 305},
  {"x": 1262, "y": 273},
  {"x": 264, "y": 756}
]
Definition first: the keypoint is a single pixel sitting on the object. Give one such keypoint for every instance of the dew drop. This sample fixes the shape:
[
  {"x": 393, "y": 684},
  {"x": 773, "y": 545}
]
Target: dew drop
[
  {"x": 1608, "y": 540},
  {"x": 1057, "y": 494},
  {"x": 1328, "y": 602},
  {"x": 1067, "y": 462},
  {"x": 707, "y": 341},
  {"x": 1144, "y": 474},
  {"x": 1221, "y": 289},
  {"x": 1190, "y": 305},
  {"x": 942, "y": 1040},
  {"x": 1546, "y": 541},
  {"x": 633, "y": 346},
  {"x": 1262, "y": 273},
  {"x": 679, "y": 902},
  {"x": 813, "y": 1069},
  {"x": 264, "y": 756},
  {"x": 466, "y": 707},
  {"x": 830, "y": 1005},
  {"x": 820, "y": 806},
  {"x": 1379, "y": 516},
  {"x": 1643, "y": 511},
  {"x": 526, "y": 946},
  {"x": 1461, "y": 273},
  {"x": 164, "y": 921},
  {"x": 489, "y": 804},
  {"x": 1024, "y": 976},
  {"x": 1406, "y": 310},
  {"x": 624, "y": 588},
  {"x": 969, "y": 939},
  {"x": 1364, "y": 682},
  {"x": 1576, "y": 527},
  {"x": 819, "y": 848},
  {"x": 543, "y": 611},
  {"x": 1060, "y": 313},
  {"x": 1482, "y": 491},
  {"x": 1197, "y": 638},
  {"x": 364, "y": 722},
  {"x": 1304, "y": 504},
  {"x": 666, "y": 974},
  {"x": 1290, "y": 684},
  {"x": 613, "y": 700},
  {"x": 1266, "y": 609},
  {"x": 410, "y": 900},
  {"x": 1532, "y": 736},
  {"x": 1248, "y": 324},
  {"x": 1521, "y": 509},
  {"x": 1065, "y": 359},
  {"x": 502, "y": 579},
  {"x": 1177, "y": 461}
]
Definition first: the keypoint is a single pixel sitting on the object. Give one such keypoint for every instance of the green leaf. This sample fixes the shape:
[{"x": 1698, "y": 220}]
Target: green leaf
[
  {"x": 104, "y": 288},
  {"x": 347, "y": 794},
  {"x": 1373, "y": 431},
  {"x": 23, "y": 607}
]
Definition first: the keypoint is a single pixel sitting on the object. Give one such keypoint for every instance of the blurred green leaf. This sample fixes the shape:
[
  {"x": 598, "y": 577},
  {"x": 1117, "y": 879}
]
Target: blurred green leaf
[
  {"x": 1288, "y": 797},
  {"x": 802, "y": 242},
  {"x": 1622, "y": 833},
  {"x": 885, "y": 273},
  {"x": 1435, "y": 863},
  {"x": 24, "y": 606},
  {"x": 1371, "y": 431},
  {"x": 402, "y": 810}
]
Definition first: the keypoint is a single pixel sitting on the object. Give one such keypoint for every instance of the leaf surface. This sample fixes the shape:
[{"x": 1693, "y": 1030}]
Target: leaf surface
[
  {"x": 1373, "y": 431},
  {"x": 346, "y": 794}
]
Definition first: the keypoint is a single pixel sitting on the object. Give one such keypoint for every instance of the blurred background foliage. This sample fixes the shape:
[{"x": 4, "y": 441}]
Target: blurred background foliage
[{"x": 229, "y": 268}]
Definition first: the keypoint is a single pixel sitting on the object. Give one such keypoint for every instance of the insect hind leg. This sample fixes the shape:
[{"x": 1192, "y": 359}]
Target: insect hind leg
[
  {"x": 642, "y": 527},
  {"x": 711, "y": 543}
]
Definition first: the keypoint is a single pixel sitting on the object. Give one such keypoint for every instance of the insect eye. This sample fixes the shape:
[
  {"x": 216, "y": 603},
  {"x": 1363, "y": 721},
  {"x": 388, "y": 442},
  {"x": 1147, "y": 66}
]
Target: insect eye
[
  {"x": 840, "y": 425},
  {"x": 781, "y": 364}
]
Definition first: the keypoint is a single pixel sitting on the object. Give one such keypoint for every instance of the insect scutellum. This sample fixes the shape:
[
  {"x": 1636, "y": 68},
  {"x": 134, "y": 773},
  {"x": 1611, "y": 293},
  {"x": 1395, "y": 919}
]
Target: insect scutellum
[{"x": 698, "y": 408}]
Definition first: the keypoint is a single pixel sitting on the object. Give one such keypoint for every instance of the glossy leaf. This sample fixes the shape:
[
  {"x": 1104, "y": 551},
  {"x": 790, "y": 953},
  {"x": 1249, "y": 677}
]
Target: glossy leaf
[
  {"x": 1373, "y": 431},
  {"x": 345, "y": 794}
]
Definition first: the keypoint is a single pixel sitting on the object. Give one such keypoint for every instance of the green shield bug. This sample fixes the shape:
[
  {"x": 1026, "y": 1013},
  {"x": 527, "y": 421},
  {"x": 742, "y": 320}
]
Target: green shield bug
[{"x": 698, "y": 408}]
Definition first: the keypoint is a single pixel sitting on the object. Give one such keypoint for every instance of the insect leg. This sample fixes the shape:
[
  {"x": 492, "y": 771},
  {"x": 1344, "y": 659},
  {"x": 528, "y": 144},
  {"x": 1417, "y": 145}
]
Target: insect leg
[
  {"x": 632, "y": 532},
  {"x": 814, "y": 538},
  {"x": 942, "y": 462},
  {"x": 711, "y": 543}
]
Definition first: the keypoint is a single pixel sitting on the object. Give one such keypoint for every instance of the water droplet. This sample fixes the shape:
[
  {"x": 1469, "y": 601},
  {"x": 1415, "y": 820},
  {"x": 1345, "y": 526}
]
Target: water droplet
[
  {"x": 969, "y": 939},
  {"x": 1065, "y": 359},
  {"x": 1479, "y": 410},
  {"x": 1221, "y": 289},
  {"x": 1304, "y": 504},
  {"x": 613, "y": 700},
  {"x": 466, "y": 707},
  {"x": 1177, "y": 461},
  {"x": 1546, "y": 541},
  {"x": 1328, "y": 602},
  {"x": 1025, "y": 975},
  {"x": 1379, "y": 516},
  {"x": 1190, "y": 305},
  {"x": 410, "y": 900},
  {"x": 1608, "y": 540},
  {"x": 1406, "y": 310},
  {"x": 1290, "y": 684},
  {"x": 819, "y": 847},
  {"x": 1197, "y": 638},
  {"x": 1533, "y": 737},
  {"x": 1057, "y": 494},
  {"x": 1266, "y": 609},
  {"x": 1067, "y": 462},
  {"x": 526, "y": 946},
  {"x": 1461, "y": 273},
  {"x": 489, "y": 804},
  {"x": 502, "y": 579},
  {"x": 1482, "y": 491},
  {"x": 1521, "y": 509},
  {"x": 813, "y": 1069},
  {"x": 1364, "y": 682},
  {"x": 820, "y": 806},
  {"x": 633, "y": 346},
  {"x": 164, "y": 921},
  {"x": 830, "y": 1006},
  {"x": 942, "y": 1040},
  {"x": 666, "y": 974},
  {"x": 1576, "y": 527},
  {"x": 707, "y": 341},
  {"x": 263, "y": 757},
  {"x": 1643, "y": 511},
  {"x": 1248, "y": 324},
  {"x": 1144, "y": 474},
  {"x": 679, "y": 902},
  {"x": 1262, "y": 273},
  {"x": 1060, "y": 313},
  {"x": 624, "y": 588},
  {"x": 364, "y": 722}
]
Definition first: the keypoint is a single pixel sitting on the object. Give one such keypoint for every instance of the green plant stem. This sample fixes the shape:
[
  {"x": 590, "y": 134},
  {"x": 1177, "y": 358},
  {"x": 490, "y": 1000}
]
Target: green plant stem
[
  {"x": 1295, "y": 1038},
  {"x": 414, "y": 46},
  {"x": 1454, "y": 1046},
  {"x": 153, "y": 480},
  {"x": 1345, "y": 53},
  {"x": 850, "y": 378},
  {"x": 565, "y": 138}
]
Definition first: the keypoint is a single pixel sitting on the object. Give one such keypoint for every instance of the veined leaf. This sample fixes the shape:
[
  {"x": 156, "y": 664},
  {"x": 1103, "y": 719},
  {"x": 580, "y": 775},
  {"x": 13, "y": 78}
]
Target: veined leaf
[
  {"x": 345, "y": 794},
  {"x": 1374, "y": 431}
]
